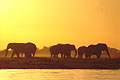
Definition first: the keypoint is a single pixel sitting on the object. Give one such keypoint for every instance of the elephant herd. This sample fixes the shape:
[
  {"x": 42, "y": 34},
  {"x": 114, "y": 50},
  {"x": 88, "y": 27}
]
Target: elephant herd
[
  {"x": 29, "y": 49},
  {"x": 93, "y": 50},
  {"x": 65, "y": 50}
]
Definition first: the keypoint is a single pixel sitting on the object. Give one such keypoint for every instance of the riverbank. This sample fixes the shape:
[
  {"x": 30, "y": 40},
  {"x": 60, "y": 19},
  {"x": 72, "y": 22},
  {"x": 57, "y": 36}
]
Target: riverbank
[{"x": 48, "y": 63}]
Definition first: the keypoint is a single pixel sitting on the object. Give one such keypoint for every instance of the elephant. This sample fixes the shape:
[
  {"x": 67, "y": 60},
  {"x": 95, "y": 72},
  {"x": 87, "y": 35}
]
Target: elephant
[
  {"x": 81, "y": 51},
  {"x": 67, "y": 50},
  {"x": 96, "y": 50},
  {"x": 26, "y": 48},
  {"x": 30, "y": 49},
  {"x": 63, "y": 49},
  {"x": 56, "y": 49}
]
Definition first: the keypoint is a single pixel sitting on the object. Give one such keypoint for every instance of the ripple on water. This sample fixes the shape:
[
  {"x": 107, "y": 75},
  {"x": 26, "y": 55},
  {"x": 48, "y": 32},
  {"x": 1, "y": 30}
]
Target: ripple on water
[{"x": 59, "y": 74}]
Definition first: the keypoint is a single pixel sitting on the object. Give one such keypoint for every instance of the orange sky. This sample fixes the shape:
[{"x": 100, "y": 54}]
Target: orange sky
[{"x": 48, "y": 22}]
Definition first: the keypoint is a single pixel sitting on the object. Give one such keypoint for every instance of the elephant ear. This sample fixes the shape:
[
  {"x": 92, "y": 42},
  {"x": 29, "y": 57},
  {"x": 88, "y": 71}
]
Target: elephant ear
[{"x": 102, "y": 47}]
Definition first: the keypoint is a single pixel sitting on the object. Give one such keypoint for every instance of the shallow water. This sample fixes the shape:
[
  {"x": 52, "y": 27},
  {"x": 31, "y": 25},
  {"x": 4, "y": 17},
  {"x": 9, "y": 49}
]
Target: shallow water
[{"x": 59, "y": 74}]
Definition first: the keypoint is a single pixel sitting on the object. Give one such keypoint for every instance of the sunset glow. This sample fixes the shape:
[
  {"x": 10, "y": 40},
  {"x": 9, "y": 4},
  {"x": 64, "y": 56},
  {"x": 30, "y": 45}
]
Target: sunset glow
[{"x": 48, "y": 22}]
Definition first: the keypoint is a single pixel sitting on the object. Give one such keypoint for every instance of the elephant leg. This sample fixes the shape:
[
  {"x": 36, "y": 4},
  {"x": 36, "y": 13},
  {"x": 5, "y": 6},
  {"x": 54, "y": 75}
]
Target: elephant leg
[
  {"x": 61, "y": 55},
  {"x": 18, "y": 55},
  {"x": 70, "y": 56},
  {"x": 33, "y": 55},
  {"x": 66, "y": 56},
  {"x": 89, "y": 56},
  {"x": 56, "y": 55},
  {"x": 28, "y": 55},
  {"x": 80, "y": 56},
  {"x": 98, "y": 56},
  {"x": 51, "y": 55},
  {"x": 86, "y": 56},
  {"x": 21, "y": 54},
  {"x": 13, "y": 54}
]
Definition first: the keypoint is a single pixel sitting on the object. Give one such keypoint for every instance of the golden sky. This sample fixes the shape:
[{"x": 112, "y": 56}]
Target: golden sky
[{"x": 48, "y": 22}]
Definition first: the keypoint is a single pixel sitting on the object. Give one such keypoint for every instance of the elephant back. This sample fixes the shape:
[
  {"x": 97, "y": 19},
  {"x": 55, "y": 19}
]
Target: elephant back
[
  {"x": 82, "y": 49},
  {"x": 30, "y": 47},
  {"x": 69, "y": 47},
  {"x": 19, "y": 47},
  {"x": 56, "y": 48},
  {"x": 92, "y": 48},
  {"x": 102, "y": 46}
]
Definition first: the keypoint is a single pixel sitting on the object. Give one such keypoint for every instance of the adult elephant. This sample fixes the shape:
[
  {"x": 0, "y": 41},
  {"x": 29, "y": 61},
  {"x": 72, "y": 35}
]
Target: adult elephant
[
  {"x": 56, "y": 49},
  {"x": 81, "y": 50},
  {"x": 96, "y": 50},
  {"x": 26, "y": 48},
  {"x": 63, "y": 49},
  {"x": 67, "y": 50},
  {"x": 30, "y": 48}
]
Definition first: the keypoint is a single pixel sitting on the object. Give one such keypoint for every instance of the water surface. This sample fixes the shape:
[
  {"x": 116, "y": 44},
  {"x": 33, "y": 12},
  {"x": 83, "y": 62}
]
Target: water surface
[{"x": 59, "y": 74}]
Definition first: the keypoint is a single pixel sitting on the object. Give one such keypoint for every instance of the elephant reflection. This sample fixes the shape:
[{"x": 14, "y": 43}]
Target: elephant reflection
[
  {"x": 26, "y": 48},
  {"x": 93, "y": 50},
  {"x": 63, "y": 49}
]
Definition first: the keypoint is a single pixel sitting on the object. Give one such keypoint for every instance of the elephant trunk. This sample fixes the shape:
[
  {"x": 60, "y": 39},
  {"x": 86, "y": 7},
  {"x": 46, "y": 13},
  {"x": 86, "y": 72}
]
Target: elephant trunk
[
  {"x": 6, "y": 52},
  {"x": 108, "y": 53},
  {"x": 75, "y": 52}
]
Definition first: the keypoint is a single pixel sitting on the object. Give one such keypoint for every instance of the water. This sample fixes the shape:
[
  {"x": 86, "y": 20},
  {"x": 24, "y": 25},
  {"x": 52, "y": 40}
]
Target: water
[{"x": 59, "y": 74}]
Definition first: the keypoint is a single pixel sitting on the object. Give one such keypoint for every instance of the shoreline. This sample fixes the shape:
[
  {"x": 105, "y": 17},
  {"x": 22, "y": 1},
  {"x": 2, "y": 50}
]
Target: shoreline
[{"x": 57, "y": 63}]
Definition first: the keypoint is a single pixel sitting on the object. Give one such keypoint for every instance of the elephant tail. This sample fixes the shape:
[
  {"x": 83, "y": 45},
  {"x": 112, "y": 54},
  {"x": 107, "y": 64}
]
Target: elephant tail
[{"x": 75, "y": 52}]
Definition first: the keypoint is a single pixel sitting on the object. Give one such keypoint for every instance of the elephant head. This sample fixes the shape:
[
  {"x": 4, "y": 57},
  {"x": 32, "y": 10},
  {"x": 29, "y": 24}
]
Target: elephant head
[
  {"x": 30, "y": 48},
  {"x": 16, "y": 47},
  {"x": 10, "y": 46},
  {"x": 81, "y": 51},
  {"x": 103, "y": 47},
  {"x": 69, "y": 48}
]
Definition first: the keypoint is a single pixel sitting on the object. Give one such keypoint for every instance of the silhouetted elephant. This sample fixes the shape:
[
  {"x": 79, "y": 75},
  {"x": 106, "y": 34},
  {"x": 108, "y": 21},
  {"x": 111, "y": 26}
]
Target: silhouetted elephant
[
  {"x": 63, "y": 49},
  {"x": 56, "y": 49},
  {"x": 26, "y": 48},
  {"x": 67, "y": 50},
  {"x": 96, "y": 50},
  {"x": 30, "y": 49},
  {"x": 81, "y": 51}
]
